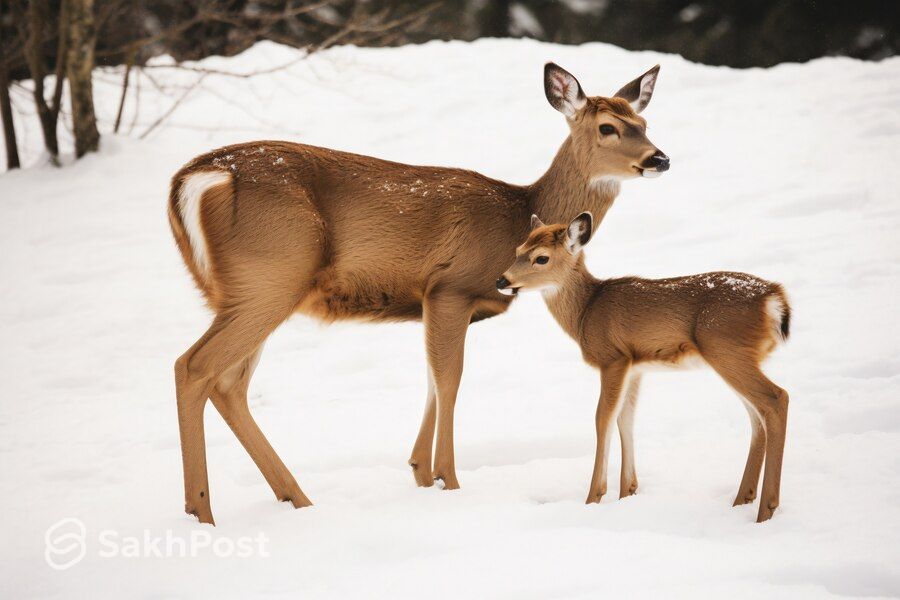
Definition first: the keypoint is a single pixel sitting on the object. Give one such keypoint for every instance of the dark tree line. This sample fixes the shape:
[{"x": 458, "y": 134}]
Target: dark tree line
[
  {"x": 735, "y": 33},
  {"x": 51, "y": 42}
]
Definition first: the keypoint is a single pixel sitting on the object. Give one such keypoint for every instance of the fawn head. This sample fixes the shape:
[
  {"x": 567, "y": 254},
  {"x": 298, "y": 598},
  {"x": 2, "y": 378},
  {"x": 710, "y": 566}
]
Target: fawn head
[
  {"x": 609, "y": 137},
  {"x": 549, "y": 253}
]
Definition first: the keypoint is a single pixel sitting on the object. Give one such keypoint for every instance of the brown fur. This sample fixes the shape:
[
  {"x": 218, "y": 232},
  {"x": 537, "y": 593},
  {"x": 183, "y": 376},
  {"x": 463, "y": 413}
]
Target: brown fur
[
  {"x": 622, "y": 324},
  {"x": 335, "y": 235}
]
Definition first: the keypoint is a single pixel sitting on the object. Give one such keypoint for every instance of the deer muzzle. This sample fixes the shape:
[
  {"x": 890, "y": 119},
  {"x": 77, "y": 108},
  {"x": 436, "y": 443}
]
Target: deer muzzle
[
  {"x": 503, "y": 287},
  {"x": 656, "y": 165}
]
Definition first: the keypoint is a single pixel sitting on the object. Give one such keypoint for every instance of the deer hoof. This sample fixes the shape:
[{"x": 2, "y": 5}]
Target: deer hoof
[
  {"x": 447, "y": 483},
  {"x": 745, "y": 498},
  {"x": 594, "y": 498},
  {"x": 766, "y": 510},
  {"x": 204, "y": 515}
]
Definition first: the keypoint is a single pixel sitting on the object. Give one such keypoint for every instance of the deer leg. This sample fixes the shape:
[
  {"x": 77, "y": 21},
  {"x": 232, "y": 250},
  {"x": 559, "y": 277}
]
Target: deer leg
[
  {"x": 191, "y": 392},
  {"x": 612, "y": 379},
  {"x": 446, "y": 320},
  {"x": 771, "y": 403},
  {"x": 628, "y": 482},
  {"x": 420, "y": 459},
  {"x": 775, "y": 403},
  {"x": 231, "y": 338},
  {"x": 229, "y": 396},
  {"x": 749, "y": 482}
]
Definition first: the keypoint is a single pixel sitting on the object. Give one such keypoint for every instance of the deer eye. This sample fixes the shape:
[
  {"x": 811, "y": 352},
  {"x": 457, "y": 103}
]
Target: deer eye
[
  {"x": 542, "y": 260},
  {"x": 607, "y": 130}
]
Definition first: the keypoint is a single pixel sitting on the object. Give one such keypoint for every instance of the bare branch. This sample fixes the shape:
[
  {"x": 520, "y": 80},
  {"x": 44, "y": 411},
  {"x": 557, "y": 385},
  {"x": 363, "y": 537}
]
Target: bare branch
[
  {"x": 172, "y": 108},
  {"x": 127, "y": 75},
  {"x": 208, "y": 71}
]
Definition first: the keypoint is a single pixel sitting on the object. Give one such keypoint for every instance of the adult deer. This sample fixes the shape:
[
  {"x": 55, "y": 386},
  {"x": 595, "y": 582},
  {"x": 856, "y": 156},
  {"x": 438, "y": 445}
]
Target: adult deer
[
  {"x": 729, "y": 321},
  {"x": 268, "y": 229}
]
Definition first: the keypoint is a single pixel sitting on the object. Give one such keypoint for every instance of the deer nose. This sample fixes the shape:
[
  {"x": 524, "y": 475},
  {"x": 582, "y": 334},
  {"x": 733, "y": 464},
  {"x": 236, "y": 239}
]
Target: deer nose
[
  {"x": 658, "y": 161},
  {"x": 502, "y": 283}
]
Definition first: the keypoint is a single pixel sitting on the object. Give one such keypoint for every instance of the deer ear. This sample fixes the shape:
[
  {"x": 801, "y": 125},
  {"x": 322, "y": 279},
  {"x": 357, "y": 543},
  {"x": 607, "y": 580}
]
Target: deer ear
[
  {"x": 638, "y": 92},
  {"x": 536, "y": 222},
  {"x": 579, "y": 232},
  {"x": 563, "y": 90}
]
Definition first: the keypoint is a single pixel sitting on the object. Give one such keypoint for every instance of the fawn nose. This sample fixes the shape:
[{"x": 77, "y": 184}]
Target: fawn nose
[
  {"x": 658, "y": 161},
  {"x": 502, "y": 283}
]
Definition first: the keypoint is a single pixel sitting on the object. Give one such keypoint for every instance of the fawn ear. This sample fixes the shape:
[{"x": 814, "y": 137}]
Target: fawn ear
[
  {"x": 563, "y": 90},
  {"x": 579, "y": 232},
  {"x": 536, "y": 222},
  {"x": 638, "y": 92}
]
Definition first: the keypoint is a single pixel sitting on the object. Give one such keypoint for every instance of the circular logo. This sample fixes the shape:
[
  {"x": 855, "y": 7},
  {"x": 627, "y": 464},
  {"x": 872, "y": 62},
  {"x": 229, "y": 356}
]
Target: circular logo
[{"x": 65, "y": 543}]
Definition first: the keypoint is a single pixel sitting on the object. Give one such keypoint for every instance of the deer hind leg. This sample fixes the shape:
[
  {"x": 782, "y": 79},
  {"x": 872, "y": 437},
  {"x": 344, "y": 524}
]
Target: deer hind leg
[
  {"x": 192, "y": 391},
  {"x": 232, "y": 337},
  {"x": 750, "y": 481},
  {"x": 771, "y": 404},
  {"x": 628, "y": 482},
  {"x": 420, "y": 459},
  {"x": 446, "y": 320},
  {"x": 229, "y": 396},
  {"x": 613, "y": 379}
]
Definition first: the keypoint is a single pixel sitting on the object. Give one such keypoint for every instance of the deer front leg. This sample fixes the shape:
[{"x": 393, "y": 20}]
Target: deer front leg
[
  {"x": 446, "y": 321},
  {"x": 612, "y": 378},
  {"x": 420, "y": 459},
  {"x": 628, "y": 482}
]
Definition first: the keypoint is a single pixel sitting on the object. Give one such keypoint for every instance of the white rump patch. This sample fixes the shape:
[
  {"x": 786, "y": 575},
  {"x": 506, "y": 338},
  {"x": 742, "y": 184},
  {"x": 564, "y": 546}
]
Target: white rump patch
[
  {"x": 189, "y": 198},
  {"x": 775, "y": 312}
]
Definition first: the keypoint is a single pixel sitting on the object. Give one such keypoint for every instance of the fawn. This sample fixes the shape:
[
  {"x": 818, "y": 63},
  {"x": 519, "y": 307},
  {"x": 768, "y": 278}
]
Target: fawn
[{"x": 730, "y": 321}]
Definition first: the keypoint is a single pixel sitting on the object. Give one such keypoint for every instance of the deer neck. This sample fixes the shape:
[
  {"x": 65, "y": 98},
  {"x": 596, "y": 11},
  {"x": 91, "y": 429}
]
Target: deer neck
[
  {"x": 563, "y": 192},
  {"x": 569, "y": 301}
]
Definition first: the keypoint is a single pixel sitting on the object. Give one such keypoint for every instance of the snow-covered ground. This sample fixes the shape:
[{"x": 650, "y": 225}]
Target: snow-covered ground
[{"x": 789, "y": 173}]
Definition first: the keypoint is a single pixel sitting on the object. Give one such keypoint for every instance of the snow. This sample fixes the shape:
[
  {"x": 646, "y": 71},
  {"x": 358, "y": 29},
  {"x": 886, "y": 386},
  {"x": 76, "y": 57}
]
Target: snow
[{"x": 788, "y": 173}]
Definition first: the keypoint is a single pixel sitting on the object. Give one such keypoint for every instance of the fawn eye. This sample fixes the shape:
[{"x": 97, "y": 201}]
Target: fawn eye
[
  {"x": 607, "y": 130},
  {"x": 542, "y": 260}
]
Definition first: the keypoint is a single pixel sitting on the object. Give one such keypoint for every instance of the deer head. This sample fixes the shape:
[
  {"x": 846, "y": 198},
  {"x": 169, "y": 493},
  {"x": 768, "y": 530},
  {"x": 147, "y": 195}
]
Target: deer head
[
  {"x": 547, "y": 256},
  {"x": 609, "y": 137}
]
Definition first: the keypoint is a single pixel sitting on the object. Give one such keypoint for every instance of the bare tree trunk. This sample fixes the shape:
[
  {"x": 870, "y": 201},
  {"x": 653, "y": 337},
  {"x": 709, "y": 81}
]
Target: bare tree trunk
[
  {"x": 32, "y": 30},
  {"x": 6, "y": 116},
  {"x": 80, "y": 29},
  {"x": 9, "y": 130}
]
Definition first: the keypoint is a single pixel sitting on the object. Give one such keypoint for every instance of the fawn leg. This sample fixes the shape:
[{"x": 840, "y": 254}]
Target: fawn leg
[
  {"x": 420, "y": 459},
  {"x": 771, "y": 403},
  {"x": 612, "y": 379},
  {"x": 750, "y": 481}
]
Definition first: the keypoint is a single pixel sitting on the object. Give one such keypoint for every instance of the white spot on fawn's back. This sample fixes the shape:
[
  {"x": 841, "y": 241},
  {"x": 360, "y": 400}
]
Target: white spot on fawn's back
[{"x": 189, "y": 200}]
